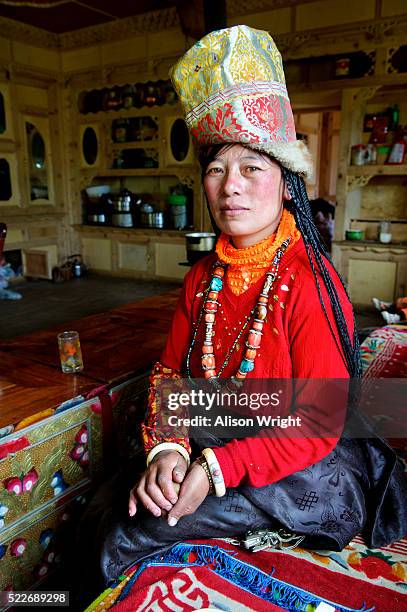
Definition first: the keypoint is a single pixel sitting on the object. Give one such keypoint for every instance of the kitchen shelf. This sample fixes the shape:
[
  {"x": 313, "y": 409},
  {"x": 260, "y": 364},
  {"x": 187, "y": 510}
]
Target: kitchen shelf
[
  {"x": 378, "y": 170},
  {"x": 133, "y": 231},
  {"x": 372, "y": 243},
  {"x": 145, "y": 172},
  {"x": 134, "y": 144},
  {"x": 390, "y": 219},
  {"x": 128, "y": 113}
]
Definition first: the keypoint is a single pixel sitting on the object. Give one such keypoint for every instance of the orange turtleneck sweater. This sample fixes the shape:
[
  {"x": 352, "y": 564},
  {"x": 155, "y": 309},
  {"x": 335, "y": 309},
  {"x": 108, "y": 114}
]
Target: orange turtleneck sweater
[{"x": 246, "y": 266}]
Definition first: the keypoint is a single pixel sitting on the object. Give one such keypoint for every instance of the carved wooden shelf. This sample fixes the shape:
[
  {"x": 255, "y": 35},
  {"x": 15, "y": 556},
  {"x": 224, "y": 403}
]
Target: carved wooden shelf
[
  {"x": 134, "y": 144},
  {"x": 377, "y": 170}
]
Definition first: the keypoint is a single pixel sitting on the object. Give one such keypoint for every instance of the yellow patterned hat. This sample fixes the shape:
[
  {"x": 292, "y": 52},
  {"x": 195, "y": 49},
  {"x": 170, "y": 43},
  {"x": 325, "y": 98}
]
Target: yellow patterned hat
[{"x": 232, "y": 88}]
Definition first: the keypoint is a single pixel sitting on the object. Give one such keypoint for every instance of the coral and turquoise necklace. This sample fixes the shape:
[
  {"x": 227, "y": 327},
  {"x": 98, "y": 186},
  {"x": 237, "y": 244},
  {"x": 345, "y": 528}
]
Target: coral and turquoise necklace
[{"x": 209, "y": 310}]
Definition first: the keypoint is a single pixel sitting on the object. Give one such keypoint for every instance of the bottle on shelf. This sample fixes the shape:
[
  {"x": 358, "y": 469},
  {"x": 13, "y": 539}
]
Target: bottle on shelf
[
  {"x": 128, "y": 96},
  {"x": 398, "y": 149},
  {"x": 112, "y": 100}
]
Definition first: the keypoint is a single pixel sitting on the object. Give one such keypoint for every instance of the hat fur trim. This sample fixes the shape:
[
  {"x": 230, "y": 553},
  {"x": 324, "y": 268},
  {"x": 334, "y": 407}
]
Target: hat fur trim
[{"x": 292, "y": 155}]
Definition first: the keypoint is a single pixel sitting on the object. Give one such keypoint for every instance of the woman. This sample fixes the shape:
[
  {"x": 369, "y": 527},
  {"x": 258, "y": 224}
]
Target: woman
[{"x": 268, "y": 304}]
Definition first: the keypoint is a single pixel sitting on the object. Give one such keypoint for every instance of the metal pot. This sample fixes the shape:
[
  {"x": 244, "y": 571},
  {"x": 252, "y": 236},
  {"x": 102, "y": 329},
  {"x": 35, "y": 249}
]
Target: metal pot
[
  {"x": 122, "y": 203},
  {"x": 199, "y": 244},
  {"x": 122, "y": 219},
  {"x": 152, "y": 219},
  {"x": 96, "y": 218}
]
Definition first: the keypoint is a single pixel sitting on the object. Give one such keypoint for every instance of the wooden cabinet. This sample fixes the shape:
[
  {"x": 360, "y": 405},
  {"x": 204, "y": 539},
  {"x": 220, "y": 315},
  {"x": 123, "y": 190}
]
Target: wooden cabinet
[
  {"x": 146, "y": 149},
  {"x": 9, "y": 192},
  {"x": 366, "y": 195},
  {"x": 49, "y": 466}
]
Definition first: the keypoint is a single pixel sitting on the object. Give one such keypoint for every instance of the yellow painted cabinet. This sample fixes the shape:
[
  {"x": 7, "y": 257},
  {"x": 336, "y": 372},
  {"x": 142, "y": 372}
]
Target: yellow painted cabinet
[{"x": 46, "y": 467}]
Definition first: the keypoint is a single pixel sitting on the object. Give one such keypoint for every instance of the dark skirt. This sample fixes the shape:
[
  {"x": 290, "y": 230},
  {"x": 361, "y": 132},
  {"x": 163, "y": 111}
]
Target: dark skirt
[{"x": 359, "y": 487}]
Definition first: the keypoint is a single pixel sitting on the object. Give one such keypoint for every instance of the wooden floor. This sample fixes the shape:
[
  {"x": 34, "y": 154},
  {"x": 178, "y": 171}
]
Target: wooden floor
[{"x": 45, "y": 304}]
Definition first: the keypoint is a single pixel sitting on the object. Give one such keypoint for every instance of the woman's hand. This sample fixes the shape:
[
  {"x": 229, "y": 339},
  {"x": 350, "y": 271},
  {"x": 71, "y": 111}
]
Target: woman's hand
[
  {"x": 158, "y": 486},
  {"x": 193, "y": 491}
]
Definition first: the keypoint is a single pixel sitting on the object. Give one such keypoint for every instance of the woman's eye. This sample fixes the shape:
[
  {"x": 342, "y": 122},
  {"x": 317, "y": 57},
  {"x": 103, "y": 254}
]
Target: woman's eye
[
  {"x": 251, "y": 169},
  {"x": 214, "y": 170}
]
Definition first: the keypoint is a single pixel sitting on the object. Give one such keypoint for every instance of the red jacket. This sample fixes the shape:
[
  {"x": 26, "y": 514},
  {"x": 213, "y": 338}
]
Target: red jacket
[{"x": 297, "y": 342}]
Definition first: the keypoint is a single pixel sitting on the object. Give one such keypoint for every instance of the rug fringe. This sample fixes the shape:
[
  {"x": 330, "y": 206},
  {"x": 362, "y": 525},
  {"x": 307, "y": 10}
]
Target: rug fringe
[{"x": 246, "y": 576}]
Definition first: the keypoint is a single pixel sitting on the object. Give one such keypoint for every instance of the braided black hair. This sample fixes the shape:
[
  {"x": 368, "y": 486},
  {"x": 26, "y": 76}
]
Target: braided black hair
[{"x": 316, "y": 252}]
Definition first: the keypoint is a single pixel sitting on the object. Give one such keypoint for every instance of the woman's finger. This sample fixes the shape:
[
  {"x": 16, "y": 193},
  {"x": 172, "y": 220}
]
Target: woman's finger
[
  {"x": 147, "y": 502},
  {"x": 179, "y": 471},
  {"x": 132, "y": 504},
  {"x": 156, "y": 492},
  {"x": 194, "y": 489}
]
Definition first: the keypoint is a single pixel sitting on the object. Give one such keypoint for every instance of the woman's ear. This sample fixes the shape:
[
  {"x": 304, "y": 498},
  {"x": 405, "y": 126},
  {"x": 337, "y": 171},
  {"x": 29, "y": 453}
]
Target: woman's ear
[{"x": 287, "y": 194}]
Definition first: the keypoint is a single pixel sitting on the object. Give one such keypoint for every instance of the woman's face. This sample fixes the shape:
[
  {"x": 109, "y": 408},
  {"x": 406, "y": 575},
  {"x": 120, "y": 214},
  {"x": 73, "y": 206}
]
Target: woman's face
[{"x": 245, "y": 192}]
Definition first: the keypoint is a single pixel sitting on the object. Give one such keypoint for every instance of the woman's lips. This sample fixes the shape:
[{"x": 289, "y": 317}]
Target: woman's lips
[{"x": 232, "y": 211}]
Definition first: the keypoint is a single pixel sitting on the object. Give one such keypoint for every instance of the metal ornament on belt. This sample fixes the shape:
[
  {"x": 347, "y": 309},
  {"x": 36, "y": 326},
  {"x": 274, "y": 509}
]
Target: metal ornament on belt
[{"x": 260, "y": 539}]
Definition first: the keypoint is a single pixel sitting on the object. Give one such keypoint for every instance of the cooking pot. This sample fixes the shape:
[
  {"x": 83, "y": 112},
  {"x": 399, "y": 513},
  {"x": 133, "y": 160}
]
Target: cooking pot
[
  {"x": 152, "y": 219},
  {"x": 199, "y": 244},
  {"x": 122, "y": 219},
  {"x": 122, "y": 203},
  {"x": 96, "y": 218}
]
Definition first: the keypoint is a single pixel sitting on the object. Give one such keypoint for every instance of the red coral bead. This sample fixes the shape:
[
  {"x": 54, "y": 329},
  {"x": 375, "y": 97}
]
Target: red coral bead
[
  {"x": 208, "y": 361},
  {"x": 209, "y": 374},
  {"x": 254, "y": 339}
]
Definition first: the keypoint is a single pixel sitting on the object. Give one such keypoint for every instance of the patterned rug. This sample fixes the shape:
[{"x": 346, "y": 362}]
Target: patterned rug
[{"x": 217, "y": 574}]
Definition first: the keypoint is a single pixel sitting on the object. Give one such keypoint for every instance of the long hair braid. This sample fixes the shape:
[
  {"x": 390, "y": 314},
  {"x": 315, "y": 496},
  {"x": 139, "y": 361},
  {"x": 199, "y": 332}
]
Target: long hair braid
[{"x": 316, "y": 252}]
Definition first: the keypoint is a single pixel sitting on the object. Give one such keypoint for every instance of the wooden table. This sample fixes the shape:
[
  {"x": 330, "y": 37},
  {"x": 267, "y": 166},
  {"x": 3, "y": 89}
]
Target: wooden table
[
  {"x": 63, "y": 453},
  {"x": 115, "y": 345}
]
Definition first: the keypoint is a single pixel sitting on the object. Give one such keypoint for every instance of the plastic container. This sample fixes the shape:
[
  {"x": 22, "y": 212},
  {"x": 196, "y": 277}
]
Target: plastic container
[
  {"x": 382, "y": 153},
  {"x": 177, "y": 210},
  {"x": 354, "y": 234}
]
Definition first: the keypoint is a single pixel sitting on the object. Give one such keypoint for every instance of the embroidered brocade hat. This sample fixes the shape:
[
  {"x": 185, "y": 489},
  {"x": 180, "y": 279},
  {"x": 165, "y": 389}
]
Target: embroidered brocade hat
[{"x": 232, "y": 89}]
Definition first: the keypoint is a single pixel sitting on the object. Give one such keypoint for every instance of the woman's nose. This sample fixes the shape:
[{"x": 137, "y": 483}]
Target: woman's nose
[{"x": 231, "y": 182}]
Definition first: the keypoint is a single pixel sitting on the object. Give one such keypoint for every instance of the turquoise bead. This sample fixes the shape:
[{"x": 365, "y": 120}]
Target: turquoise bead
[
  {"x": 216, "y": 284},
  {"x": 246, "y": 366}
]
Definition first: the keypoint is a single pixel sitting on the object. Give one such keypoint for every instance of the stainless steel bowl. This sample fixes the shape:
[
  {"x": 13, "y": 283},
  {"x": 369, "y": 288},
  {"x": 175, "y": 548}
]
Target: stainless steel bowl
[{"x": 199, "y": 244}]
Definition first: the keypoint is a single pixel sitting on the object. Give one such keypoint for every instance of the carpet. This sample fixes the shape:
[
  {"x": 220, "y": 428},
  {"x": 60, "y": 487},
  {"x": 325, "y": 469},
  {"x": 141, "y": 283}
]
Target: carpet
[{"x": 216, "y": 574}]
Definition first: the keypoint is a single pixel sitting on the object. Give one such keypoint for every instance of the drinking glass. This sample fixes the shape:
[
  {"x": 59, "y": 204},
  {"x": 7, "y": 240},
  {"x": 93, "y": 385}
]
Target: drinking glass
[{"x": 70, "y": 352}]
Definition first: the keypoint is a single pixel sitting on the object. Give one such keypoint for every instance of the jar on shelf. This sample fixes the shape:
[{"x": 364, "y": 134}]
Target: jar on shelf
[
  {"x": 112, "y": 100},
  {"x": 371, "y": 151},
  {"x": 342, "y": 67},
  {"x": 119, "y": 130},
  {"x": 150, "y": 97},
  {"x": 359, "y": 155},
  {"x": 128, "y": 96},
  {"x": 385, "y": 235}
]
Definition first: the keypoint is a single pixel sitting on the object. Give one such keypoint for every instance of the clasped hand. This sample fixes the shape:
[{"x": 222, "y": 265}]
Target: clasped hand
[{"x": 168, "y": 488}]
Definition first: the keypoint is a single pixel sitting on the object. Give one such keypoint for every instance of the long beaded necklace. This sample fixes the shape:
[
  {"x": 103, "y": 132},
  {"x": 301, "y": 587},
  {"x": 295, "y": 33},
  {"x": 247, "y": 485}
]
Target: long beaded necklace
[{"x": 209, "y": 310}]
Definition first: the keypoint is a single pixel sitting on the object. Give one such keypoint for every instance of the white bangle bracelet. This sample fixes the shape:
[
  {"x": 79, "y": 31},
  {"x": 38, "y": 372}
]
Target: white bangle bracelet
[
  {"x": 216, "y": 472},
  {"x": 168, "y": 446}
]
